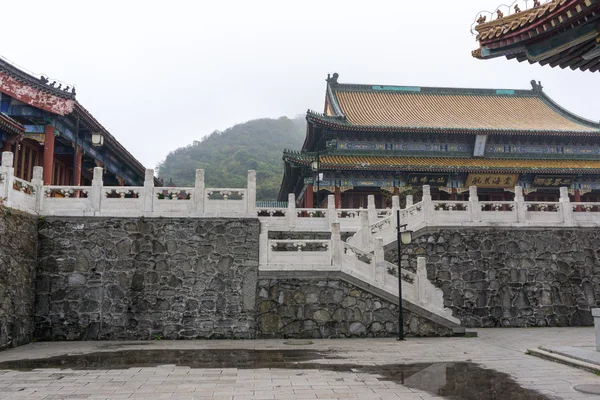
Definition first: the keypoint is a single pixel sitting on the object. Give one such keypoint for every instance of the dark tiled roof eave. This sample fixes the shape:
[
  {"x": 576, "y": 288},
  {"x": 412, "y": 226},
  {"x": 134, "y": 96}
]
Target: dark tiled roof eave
[
  {"x": 509, "y": 36},
  {"x": 33, "y": 81},
  {"x": 11, "y": 125},
  {"x": 436, "y": 164}
]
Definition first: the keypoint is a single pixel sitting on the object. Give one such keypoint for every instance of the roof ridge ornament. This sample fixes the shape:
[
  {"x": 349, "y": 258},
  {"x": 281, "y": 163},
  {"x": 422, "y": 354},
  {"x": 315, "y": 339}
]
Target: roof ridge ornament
[
  {"x": 536, "y": 87},
  {"x": 333, "y": 80}
]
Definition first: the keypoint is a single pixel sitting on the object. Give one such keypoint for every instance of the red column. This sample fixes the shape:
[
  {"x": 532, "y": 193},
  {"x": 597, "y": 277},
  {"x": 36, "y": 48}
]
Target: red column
[
  {"x": 577, "y": 196},
  {"x": 338, "y": 197},
  {"x": 77, "y": 173},
  {"x": 48, "y": 154},
  {"x": 308, "y": 196},
  {"x": 7, "y": 145},
  {"x": 396, "y": 191}
]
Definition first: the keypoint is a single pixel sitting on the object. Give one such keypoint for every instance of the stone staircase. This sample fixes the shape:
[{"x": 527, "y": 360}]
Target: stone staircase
[{"x": 366, "y": 268}]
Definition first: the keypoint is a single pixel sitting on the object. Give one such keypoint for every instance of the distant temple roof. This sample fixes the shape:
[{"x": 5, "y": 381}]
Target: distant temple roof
[
  {"x": 408, "y": 108},
  {"x": 443, "y": 164},
  {"x": 560, "y": 33}
]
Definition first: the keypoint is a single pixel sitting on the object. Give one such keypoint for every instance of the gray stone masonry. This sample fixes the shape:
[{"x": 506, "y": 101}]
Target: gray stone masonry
[
  {"x": 18, "y": 248},
  {"x": 330, "y": 308},
  {"x": 512, "y": 277},
  {"x": 125, "y": 278}
]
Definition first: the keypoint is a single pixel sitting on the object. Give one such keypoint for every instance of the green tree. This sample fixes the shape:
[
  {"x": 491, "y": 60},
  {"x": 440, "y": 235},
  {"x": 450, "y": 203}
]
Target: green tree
[{"x": 227, "y": 156}]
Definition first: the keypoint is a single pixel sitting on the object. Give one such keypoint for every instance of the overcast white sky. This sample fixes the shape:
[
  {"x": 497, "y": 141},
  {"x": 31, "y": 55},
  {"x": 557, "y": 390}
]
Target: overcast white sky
[{"x": 161, "y": 74}]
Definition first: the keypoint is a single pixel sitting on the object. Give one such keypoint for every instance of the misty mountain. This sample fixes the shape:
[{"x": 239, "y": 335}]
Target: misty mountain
[{"x": 227, "y": 156}]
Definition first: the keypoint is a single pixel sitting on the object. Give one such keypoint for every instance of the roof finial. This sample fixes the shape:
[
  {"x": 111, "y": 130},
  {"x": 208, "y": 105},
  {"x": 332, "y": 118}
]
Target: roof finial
[
  {"x": 333, "y": 80},
  {"x": 537, "y": 87}
]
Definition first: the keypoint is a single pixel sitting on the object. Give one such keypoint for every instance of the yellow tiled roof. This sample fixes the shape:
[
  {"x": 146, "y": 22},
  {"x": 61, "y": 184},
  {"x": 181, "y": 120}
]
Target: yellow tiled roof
[
  {"x": 453, "y": 111},
  {"x": 449, "y": 164}
]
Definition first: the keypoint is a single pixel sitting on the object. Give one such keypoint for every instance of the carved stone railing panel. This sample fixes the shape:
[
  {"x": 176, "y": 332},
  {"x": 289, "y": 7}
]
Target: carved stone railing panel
[
  {"x": 225, "y": 194},
  {"x": 121, "y": 191},
  {"x": 543, "y": 206},
  {"x": 384, "y": 213},
  {"x": 350, "y": 213},
  {"x": 271, "y": 212},
  {"x": 586, "y": 207},
  {"x": 66, "y": 192},
  {"x": 359, "y": 254},
  {"x": 407, "y": 276},
  {"x": 381, "y": 225},
  {"x": 174, "y": 193},
  {"x": 411, "y": 211},
  {"x": 299, "y": 245},
  {"x": 451, "y": 205},
  {"x": 24, "y": 186},
  {"x": 311, "y": 212},
  {"x": 497, "y": 205}
]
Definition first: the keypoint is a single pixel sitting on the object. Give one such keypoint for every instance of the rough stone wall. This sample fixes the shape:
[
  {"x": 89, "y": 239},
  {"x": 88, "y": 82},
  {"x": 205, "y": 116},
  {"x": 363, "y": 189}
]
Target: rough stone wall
[
  {"x": 330, "y": 308},
  {"x": 512, "y": 277},
  {"x": 120, "y": 278},
  {"x": 18, "y": 254}
]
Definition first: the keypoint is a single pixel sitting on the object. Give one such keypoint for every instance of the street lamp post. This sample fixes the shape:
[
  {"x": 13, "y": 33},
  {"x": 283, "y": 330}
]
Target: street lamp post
[
  {"x": 316, "y": 166},
  {"x": 404, "y": 237}
]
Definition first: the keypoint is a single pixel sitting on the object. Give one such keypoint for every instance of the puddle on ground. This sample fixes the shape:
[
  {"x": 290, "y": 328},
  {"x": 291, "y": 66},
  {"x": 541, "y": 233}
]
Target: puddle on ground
[{"x": 457, "y": 381}]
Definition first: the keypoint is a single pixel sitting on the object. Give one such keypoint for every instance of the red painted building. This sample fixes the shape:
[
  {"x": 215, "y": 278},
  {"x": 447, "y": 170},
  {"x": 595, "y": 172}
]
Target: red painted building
[{"x": 43, "y": 124}]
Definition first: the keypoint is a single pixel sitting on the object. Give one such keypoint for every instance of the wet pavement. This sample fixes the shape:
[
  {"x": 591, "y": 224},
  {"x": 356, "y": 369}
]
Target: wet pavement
[{"x": 492, "y": 366}]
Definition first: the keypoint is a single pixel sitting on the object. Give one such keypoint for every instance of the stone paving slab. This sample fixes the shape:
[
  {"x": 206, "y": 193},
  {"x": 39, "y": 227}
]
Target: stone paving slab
[{"x": 500, "y": 349}]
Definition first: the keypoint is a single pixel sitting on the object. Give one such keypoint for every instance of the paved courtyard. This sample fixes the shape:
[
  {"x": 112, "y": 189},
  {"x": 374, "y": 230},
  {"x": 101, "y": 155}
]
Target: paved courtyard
[{"x": 456, "y": 368}]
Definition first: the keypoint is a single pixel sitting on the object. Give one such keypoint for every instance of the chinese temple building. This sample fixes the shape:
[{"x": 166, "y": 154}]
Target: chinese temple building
[
  {"x": 385, "y": 140},
  {"x": 43, "y": 124},
  {"x": 563, "y": 33}
]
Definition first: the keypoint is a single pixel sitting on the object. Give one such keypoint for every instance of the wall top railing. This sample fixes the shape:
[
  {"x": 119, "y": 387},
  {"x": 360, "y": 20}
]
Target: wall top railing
[{"x": 199, "y": 201}]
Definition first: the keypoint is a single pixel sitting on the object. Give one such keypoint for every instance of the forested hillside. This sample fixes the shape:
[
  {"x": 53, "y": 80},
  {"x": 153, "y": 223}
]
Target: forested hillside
[{"x": 227, "y": 156}]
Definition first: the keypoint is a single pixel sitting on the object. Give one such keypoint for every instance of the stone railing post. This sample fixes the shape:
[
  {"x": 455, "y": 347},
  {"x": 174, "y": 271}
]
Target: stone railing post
[
  {"x": 148, "y": 194},
  {"x": 8, "y": 177},
  {"x": 596, "y": 315},
  {"x": 331, "y": 210},
  {"x": 365, "y": 230},
  {"x": 372, "y": 212},
  {"x": 291, "y": 210},
  {"x": 421, "y": 282},
  {"x": 198, "y": 196},
  {"x": 395, "y": 209},
  {"x": 520, "y": 205},
  {"x": 263, "y": 245},
  {"x": 336, "y": 244},
  {"x": 409, "y": 200},
  {"x": 251, "y": 193},
  {"x": 37, "y": 181},
  {"x": 474, "y": 207},
  {"x": 428, "y": 204},
  {"x": 96, "y": 192},
  {"x": 565, "y": 206},
  {"x": 379, "y": 254}
]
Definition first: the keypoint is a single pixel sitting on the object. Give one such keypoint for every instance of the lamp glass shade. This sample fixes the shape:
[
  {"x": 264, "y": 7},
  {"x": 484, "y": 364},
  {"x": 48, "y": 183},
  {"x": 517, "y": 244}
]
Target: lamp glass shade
[
  {"x": 97, "y": 139},
  {"x": 406, "y": 237},
  {"x": 315, "y": 165}
]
